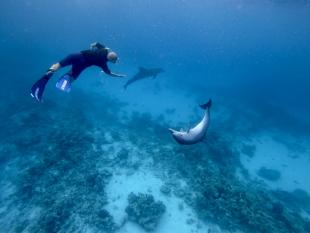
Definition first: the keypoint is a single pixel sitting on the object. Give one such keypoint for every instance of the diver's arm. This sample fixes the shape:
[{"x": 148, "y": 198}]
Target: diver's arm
[
  {"x": 106, "y": 70},
  {"x": 114, "y": 74},
  {"x": 117, "y": 75}
]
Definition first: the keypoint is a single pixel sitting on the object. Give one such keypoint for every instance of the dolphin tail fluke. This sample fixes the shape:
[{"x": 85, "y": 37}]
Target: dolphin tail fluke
[{"x": 206, "y": 105}]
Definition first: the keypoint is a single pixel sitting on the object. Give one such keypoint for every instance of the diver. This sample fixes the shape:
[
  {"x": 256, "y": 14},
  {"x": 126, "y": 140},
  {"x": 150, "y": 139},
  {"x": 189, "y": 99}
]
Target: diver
[{"x": 97, "y": 55}]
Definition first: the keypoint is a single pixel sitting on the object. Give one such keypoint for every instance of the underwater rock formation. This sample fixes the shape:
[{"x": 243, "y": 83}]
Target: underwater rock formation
[
  {"x": 269, "y": 174},
  {"x": 165, "y": 189},
  {"x": 248, "y": 150},
  {"x": 144, "y": 210},
  {"x": 57, "y": 174},
  {"x": 219, "y": 196},
  {"x": 234, "y": 205},
  {"x": 298, "y": 200},
  {"x": 105, "y": 221}
]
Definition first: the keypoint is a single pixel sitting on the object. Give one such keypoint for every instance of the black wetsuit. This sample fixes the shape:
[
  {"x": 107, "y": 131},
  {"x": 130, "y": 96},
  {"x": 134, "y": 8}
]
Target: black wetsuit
[
  {"x": 84, "y": 59},
  {"x": 79, "y": 62}
]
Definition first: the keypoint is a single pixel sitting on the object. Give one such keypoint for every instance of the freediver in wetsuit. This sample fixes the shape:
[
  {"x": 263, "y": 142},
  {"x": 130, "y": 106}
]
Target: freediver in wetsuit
[{"x": 97, "y": 55}]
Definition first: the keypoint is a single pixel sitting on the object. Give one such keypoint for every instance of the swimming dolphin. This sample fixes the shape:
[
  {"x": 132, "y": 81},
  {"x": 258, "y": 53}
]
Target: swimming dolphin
[
  {"x": 143, "y": 73},
  {"x": 197, "y": 133}
]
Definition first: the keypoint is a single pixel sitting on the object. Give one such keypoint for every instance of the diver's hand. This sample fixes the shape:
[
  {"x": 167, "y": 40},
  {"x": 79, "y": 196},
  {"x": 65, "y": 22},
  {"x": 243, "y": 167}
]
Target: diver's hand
[
  {"x": 121, "y": 75},
  {"x": 50, "y": 72},
  {"x": 117, "y": 75},
  {"x": 54, "y": 67}
]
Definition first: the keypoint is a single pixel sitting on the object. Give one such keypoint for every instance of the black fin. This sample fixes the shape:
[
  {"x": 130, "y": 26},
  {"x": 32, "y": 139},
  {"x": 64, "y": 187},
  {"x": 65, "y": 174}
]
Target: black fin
[
  {"x": 37, "y": 89},
  {"x": 206, "y": 105}
]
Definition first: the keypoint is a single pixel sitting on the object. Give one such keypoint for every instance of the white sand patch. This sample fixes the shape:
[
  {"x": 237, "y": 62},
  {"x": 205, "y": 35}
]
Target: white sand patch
[
  {"x": 175, "y": 218},
  {"x": 7, "y": 190},
  {"x": 274, "y": 155}
]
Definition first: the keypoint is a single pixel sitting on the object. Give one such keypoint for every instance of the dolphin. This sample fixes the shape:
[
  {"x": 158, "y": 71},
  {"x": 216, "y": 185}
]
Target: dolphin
[
  {"x": 197, "y": 133},
  {"x": 143, "y": 73}
]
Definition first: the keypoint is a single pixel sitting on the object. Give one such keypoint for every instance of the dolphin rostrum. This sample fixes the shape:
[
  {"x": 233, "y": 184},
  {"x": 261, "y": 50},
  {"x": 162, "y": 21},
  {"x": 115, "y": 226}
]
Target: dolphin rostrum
[
  {"x": 143, "y": 73},
  {"x": 197, "y": 133}
]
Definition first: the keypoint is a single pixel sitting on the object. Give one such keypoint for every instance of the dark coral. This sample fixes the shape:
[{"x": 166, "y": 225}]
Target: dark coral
[
  {"x": 144, "y": 210},
  {"x": 105, "y": 221},
  {"x": 297, "y": 200},
  {"x": 248, "y": 150},
  {"x": 269, "y": 174}
]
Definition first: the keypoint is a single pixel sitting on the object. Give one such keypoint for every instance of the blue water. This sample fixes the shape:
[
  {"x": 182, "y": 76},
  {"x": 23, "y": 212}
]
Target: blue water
[{"x": 251, "y": 57}]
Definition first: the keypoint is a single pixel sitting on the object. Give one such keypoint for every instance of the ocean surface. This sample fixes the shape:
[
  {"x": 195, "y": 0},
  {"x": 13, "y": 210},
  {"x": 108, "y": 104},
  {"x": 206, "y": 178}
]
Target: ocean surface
[{"x": 101, "y": 158}]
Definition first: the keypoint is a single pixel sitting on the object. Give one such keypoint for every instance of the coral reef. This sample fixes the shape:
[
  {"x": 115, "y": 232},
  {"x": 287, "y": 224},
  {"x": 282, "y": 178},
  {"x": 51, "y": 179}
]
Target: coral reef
[
  {"x": 144, "y": 210},
  {"x": 297, "y": 200},
  {"x": 235, "y": 205},
  {"x": 53, "y": 157},
  {"x": 106, "y": 221},
  {"x": 55, "y": 172},
  {"x": 219, "y": 196}
]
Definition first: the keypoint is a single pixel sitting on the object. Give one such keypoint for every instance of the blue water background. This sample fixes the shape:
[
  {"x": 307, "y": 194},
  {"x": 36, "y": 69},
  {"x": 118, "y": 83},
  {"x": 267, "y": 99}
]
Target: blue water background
[{"x": 259, "y": 49}]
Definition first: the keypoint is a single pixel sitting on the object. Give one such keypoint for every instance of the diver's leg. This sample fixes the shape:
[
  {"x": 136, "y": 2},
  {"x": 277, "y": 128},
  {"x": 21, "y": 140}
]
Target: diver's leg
[
  {"x": 78, "y": 65},
  {"x": 77, "y": 69},
  {"x": 38, "y": 87},
  {"x": 70, "y": 59},
  {"x": 65, "y": 82}
]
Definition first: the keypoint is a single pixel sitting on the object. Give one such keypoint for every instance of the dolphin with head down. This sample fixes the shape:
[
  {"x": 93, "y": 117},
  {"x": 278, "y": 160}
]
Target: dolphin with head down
[{"x": 197, "y": 133}]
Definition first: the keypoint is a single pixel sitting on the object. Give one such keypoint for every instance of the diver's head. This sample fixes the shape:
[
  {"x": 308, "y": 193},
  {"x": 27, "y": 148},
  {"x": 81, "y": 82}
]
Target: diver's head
[{"x": 112, "y": 57}]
